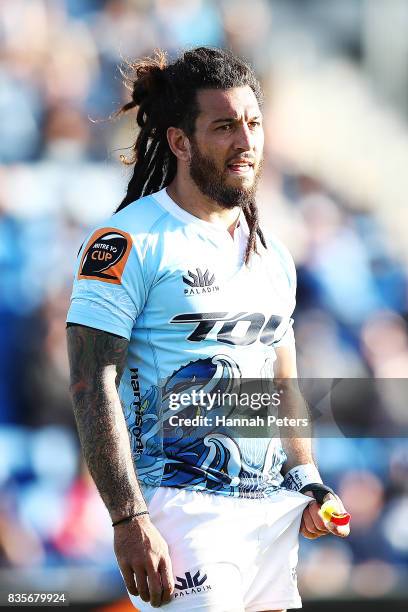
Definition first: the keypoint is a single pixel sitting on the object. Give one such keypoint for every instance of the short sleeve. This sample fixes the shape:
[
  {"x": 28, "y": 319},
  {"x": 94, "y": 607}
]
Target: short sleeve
[
  {"x": 286, "y": 337},
  {"x": 290, "y": 270},
  {"x": 109, "y": 288}
]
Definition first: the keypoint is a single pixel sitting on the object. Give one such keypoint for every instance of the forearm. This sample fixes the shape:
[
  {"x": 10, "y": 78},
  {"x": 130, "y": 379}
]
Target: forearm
[
  {"x": 298, "y": 452},
  {"x": 105, "y": 444},
  {"x": 100, "y": 420},
  {"x": 296, "y": 439}
]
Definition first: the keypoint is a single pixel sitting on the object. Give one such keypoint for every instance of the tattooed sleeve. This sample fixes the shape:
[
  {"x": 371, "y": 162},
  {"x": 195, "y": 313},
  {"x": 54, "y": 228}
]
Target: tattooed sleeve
[{"x": 97, "y": 360}]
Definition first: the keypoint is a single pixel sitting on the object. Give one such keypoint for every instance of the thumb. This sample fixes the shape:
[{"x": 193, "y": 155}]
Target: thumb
[{"x": 343, "y": 530}]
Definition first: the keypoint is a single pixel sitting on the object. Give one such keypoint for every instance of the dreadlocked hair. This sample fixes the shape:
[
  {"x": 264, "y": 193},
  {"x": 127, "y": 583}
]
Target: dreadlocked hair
[{"x": 165, "y": 95}]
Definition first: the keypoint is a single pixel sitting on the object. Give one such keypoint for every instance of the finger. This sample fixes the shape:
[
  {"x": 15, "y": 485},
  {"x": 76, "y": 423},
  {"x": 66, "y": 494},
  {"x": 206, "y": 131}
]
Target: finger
[
  {"x": 129, "y": 579},
  {"x": 306, "y": 533},
  {"x": 155, "y": 587},
  {"x": 316, "y": 518},
  {"x": 167, "y": 580},
  {"x": 141, "y": 584},
  {"x": 335, "y": 498},
  {"x": 342, "y": 531},
  {"x": 309, "y": 524}
]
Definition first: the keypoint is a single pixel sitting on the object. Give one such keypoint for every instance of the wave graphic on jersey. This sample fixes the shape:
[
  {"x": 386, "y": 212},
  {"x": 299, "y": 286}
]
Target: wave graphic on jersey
[
  {"x": 187, "y": 456},
  {"x": 191, "y": 457}
]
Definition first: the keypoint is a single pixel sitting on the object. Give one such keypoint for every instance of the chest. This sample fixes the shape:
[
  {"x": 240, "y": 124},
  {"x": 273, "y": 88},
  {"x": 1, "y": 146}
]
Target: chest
[{"x": 208, "y": 293}]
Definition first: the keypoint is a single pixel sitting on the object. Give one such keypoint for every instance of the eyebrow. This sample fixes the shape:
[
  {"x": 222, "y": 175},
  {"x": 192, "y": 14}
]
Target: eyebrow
[{"x": 233, "y": 119}]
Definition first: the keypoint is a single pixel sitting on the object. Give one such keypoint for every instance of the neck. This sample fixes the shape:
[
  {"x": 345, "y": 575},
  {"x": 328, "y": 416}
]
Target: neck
[{"x": 187, "y": 195}]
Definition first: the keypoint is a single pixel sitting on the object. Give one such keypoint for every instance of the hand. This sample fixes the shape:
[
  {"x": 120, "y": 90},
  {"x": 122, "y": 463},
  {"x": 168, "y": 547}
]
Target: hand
[
  {"x": 143, "y": 555},
  {"x": 312, "y": 525}
]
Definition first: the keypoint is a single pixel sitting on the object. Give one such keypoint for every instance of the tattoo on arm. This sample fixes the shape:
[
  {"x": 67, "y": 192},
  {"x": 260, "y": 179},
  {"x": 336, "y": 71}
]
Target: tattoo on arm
[{"x": 97, "y": 361}]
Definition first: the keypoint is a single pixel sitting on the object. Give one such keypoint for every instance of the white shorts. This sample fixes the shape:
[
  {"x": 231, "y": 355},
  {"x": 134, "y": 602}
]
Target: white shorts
[{"x": 229, "y": 554}]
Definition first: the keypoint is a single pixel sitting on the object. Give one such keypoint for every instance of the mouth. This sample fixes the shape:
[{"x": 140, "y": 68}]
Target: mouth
[{"x": 240, "y": 167}]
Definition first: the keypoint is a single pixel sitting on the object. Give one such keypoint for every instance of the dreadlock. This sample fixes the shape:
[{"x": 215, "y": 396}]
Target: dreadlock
[{"x": 166, "y": 95}]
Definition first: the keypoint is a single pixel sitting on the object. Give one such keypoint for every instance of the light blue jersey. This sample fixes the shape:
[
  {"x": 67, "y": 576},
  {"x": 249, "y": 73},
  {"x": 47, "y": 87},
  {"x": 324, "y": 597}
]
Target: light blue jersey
[{"x": 195, "y": 316}]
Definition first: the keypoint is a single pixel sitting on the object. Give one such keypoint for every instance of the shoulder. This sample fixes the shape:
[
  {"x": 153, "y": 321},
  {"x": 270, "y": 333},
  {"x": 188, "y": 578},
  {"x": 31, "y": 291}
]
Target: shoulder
[
  {"x": 140, "y": 224},
  {"x": 278, "y": 251},
  {"x": 140, "y": 217}
]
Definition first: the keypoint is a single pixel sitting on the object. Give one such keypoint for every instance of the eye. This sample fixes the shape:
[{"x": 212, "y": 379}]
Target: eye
[
  {"x": 227, "y": 127},
  {"x": 254, "y": 124}
]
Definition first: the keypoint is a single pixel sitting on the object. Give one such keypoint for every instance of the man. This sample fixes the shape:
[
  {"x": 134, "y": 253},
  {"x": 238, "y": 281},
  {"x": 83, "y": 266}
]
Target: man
[{"x": 181, "y": 291}]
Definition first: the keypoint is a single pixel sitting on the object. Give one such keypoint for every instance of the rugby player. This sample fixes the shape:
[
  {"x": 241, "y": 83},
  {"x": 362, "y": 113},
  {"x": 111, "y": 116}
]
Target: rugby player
[{"x": 180, "y": 286}]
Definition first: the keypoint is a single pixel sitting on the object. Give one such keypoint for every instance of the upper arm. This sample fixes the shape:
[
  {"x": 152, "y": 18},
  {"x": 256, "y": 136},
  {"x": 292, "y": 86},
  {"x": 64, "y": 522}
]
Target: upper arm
[{"x": 97, "y": 358}]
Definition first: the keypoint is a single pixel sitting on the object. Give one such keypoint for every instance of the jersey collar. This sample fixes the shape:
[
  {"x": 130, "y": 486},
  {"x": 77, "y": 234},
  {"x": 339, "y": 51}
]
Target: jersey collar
[{"x": 163, "y": 198}]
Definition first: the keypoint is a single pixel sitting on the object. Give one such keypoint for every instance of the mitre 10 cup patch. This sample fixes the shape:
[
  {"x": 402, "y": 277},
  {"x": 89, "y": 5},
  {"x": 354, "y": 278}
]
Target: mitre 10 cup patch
[{"x": 105, "y": 256}]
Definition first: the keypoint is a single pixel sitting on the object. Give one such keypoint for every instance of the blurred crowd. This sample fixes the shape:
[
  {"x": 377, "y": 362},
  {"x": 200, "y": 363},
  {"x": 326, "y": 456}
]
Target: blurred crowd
[{"x": 323, "y": 194}]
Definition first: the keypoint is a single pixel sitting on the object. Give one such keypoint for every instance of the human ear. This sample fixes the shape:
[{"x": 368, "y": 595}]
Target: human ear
[{"x": 179, "y": 143}]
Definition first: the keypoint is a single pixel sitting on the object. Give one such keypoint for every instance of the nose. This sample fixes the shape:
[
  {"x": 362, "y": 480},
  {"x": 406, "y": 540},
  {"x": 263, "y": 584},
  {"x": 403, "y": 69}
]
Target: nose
[{"x": 244, "y": 138}]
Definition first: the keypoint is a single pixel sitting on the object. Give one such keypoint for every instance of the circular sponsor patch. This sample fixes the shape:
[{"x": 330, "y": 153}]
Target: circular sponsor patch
[{"x": 105, "y": 256}]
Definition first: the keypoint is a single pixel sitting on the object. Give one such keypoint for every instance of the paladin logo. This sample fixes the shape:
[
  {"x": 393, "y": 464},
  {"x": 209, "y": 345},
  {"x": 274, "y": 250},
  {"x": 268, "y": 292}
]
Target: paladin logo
[
  {"x": 200, "y": 283},
  {"x": 191, "y": 585}
]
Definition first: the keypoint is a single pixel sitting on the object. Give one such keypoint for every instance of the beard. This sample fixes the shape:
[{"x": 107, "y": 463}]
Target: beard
[{"x": 212, "y": 182}]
